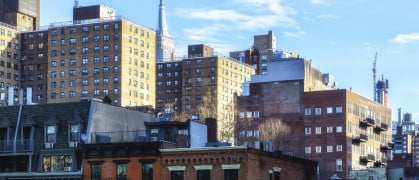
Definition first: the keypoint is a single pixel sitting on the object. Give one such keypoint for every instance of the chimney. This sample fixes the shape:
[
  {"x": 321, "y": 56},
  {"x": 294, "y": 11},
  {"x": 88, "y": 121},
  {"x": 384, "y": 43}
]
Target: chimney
[
  {"x": 29, "y": 95},
  {"x": 10, "y": 97}
]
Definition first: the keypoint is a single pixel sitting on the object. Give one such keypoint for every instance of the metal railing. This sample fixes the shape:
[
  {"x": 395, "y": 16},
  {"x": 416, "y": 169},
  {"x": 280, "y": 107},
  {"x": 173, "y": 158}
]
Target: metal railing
[
  {"x": 117, "y": 136},
  {"x": 7, "y": 146}
]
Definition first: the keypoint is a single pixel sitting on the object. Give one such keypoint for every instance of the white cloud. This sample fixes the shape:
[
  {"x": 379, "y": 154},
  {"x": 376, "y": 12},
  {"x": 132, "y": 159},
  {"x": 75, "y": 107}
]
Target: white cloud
[
  {"x": 320, "y": 2},
  {"x": 294, "y": 34},
  {"x": 327, "y": 16},
  {"x": 406, "y": 38}
]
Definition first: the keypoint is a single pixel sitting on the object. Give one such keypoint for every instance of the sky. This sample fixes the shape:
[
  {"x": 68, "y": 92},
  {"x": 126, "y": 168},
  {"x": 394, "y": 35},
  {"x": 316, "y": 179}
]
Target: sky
[{"x": 340, "y": 37}]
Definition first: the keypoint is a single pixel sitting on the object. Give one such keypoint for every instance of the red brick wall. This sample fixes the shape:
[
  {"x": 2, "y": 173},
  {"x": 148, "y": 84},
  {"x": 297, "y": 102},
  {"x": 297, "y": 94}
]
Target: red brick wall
[{"x": 134, "y": 167}]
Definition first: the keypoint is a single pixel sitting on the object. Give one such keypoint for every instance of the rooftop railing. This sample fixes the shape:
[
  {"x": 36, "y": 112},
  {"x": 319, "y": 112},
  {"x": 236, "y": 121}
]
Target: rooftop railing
[
  {"x": 8, "y": 146},
  {"x": 117, "y": 137}
]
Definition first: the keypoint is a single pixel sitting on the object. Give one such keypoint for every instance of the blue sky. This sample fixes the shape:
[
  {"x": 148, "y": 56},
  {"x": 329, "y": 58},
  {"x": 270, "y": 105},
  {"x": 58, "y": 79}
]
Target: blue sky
[{"x": 340, "y": 37}]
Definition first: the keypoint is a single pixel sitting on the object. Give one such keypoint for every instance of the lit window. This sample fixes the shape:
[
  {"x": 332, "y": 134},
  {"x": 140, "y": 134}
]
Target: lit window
[
  {"x": 57, "y": 163},
  {"x": 329, "y": 129},
  {"x": 307, "y": 150},
  {"x": 329, "y": 110},
  {"x": 339, "y": 109},
  {"x": 318, "y": 149},
  {"x": 241, "y": 115},
  {"x": 318, "y": 130},
  {"x": 329, "y": 148},
  {"x": 338, "y": 129},
  {"x": 249, "y": 114}
]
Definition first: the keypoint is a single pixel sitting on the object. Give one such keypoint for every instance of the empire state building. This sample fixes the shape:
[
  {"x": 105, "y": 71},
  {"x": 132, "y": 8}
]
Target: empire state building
[{"x": 164, "y": 44}]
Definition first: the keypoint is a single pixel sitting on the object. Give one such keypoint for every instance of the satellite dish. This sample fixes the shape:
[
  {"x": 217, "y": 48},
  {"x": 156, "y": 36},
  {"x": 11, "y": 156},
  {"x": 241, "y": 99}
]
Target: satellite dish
[{"x": 84, "y": 137}]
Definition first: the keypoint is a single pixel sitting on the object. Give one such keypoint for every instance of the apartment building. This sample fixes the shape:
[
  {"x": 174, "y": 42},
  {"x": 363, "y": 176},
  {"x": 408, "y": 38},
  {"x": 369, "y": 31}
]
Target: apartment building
[
  {"x": 208, "y": 83},
  {"x": 96, "y": 58},
  {"x": 34, "y": 64},
  {"x": 345, "y": 132},
  {"x": 9, "y": 62}
]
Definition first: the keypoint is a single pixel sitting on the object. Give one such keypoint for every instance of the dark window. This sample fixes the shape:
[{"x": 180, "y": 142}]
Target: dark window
[
  {"x": 176, "y": 175},
  {"x": 96, "y": 171},
  {"x": 231, "y": 174},
  {"x": 147, "y": 171},
  {"x": 203, "y": 175}
]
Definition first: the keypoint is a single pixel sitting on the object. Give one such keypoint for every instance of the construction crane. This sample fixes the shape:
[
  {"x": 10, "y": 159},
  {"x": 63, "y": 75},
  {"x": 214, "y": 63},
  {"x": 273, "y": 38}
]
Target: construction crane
[{"x": 374, "y": 66}]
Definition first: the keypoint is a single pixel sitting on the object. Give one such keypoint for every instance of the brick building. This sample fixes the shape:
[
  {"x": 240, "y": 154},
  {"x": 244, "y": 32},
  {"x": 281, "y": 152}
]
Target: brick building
[
  {"x": 201, "y": 79},
  {"x": 233, "y": 163},
  {"x": 43, "y": 141},
  {"x": 345, "y": 132}
]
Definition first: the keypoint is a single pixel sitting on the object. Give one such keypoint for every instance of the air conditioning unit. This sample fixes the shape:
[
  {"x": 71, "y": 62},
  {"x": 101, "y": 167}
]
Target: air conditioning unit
[
  {"x": 72, "y": 144},
  {"x": 67, "y": 169},
  {"x": 154, "y": 138},
  {"x": 49, "y": 145}
]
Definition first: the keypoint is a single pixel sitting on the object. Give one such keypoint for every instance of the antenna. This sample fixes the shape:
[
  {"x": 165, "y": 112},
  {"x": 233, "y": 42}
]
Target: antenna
[
  {"x": 76, "y": 3},
  {"x": 374, "y": 66}
]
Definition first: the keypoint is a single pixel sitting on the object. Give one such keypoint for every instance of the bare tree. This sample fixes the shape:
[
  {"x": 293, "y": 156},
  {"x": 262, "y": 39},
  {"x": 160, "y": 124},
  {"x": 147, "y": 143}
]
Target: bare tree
[
  {"x": 208, "y": 107},
  {"x": 276, "y": 131},
  {"x": 226, "y": 130},
  {"x": 180, "y": 116}
]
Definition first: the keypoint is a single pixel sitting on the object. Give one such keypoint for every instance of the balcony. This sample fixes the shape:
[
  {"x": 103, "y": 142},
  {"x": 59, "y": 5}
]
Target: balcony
[
  {"x": 367, "y": 158},
  {"x": 384, "y": 127},
  {"x": 360, "y": 138},
  {"x": 386, "y": 147},
  {"x": 382, "y": 162},
  {"x": 21, "y": 146},
  {"x": 117, "y": 137},
  {"x": 368, "y": 122}
]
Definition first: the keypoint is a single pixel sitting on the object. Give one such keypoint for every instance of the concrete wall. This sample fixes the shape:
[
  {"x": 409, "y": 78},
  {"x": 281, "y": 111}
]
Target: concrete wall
[
  {"x": 198, "y": 134},
  {"x": 107, "y": 118}
]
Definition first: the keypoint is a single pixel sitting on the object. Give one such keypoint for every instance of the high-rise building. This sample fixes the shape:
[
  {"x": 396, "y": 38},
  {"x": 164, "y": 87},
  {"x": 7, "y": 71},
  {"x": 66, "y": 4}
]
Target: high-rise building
[
  {"x": 165, "y": 47},
  {"x": 24, "y": 14},
  {"x": 9, "y": 63},
  {"x": 202, "y": 81},
  {"x": 92, "y": 58}
]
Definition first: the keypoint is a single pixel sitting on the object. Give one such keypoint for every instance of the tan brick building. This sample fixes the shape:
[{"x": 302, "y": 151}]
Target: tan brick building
[
  {"x": 9, "y": 61},
  {"x": 206, "y": 80}
]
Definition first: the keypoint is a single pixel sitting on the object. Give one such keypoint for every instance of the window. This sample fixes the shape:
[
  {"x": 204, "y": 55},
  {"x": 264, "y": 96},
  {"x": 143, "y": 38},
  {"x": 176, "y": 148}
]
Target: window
[
  {"x": 74, "y": 132},
  {"x": 338, "y": 148},
  {"x": 51, "y": 132},
  {"x": 329, "y": 110},
  {"x": 339, "y": 109},
  {"x": 307, "y": 111},
  {"x": 147, "y": 171},
  {"x": 96, "y": 171},
  {"x": 231, "y": 174},
  {"x": 307, "y": 131},
  {"x": 121, "y": 171},
  {"x": 85, "y": 28},
  {"x": 72, "y": 72},
  {"x": 72, "y": 40},
  {"x": 96, "y": 70},
  {"x": 318, "y": 130},
  {"x": 329, "y": 148},
  {"x": 53, "y": 63},
  {"x": 72, "y": 61},
  {"x": 176, "y": 175},
  {"x": 318, "y": 149},
  {"x": 329, "y": 129},
  {"x": 72, "y": 94},
  {"x": 339, "y": 129},
  {"x": 96, "y": 60},
  {"x": 318, "y": 111},
  {"x": 105, "y": 81},
  {"x": 338, "y": 164},
  {"x": 85, "y": 39},
  {"x": 105, "y": 69},
  {"x": 85, "y": 82},
  {"x": 72, "y": 83},
  {"x": 96, "y": 49},
  {"x": 60, "y": 163},
  {"x": 105, "y": 59},
  {"x": 105, "y": 92},
  {"x": 256, "y": 114},
  {"x": 203, "y": 174},
  {"x": 85, "y": 61},
  {"x": 307, "y": 150},
  {"x": 249, "y": 114}
]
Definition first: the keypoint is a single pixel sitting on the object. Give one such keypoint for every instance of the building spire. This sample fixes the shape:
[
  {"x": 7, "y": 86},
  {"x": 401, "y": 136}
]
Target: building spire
[{"x": 162, "y": 29}]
